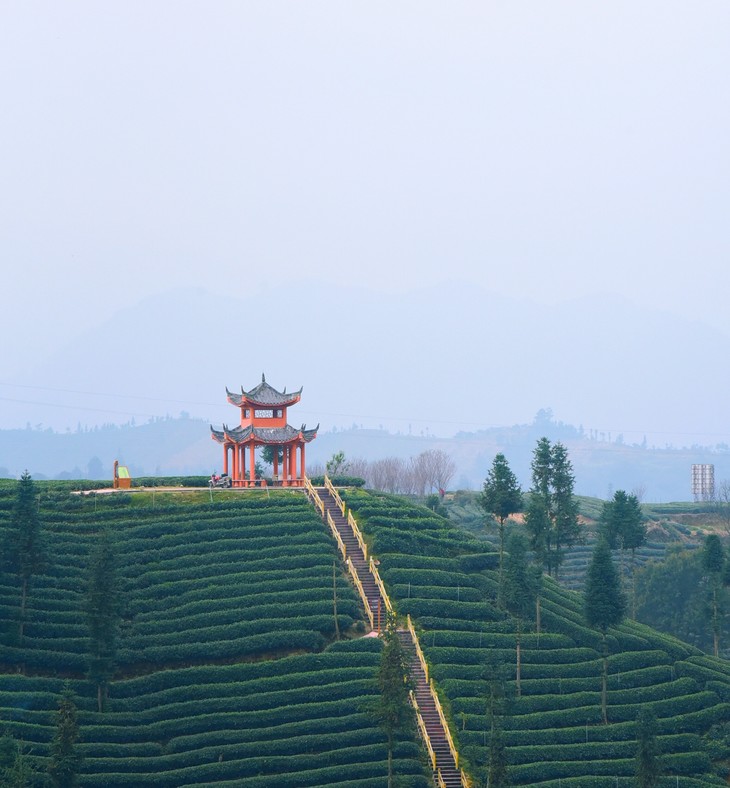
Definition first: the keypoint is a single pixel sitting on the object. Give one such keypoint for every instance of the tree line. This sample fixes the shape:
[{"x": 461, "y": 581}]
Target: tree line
[
  {"x": 431, "y": 470},
  {"x": 25, "y": 555},
  {"x": 536, "y": 546}
]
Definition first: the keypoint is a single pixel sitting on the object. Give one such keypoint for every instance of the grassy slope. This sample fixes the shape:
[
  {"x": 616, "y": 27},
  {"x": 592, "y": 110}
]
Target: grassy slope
[
  {"x": 667, "y": 525},
  {"x": 553, "y": 731},
  {"x": 300, "y": 720},
  {"x": 205, "y": 587}
]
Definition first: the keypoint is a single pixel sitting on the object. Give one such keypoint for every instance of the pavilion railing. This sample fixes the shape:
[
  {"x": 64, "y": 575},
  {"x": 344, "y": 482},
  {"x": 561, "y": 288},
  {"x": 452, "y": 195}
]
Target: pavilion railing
[
  {"x": 337, "y": 536},
  {"x": 383, "y": 593},
  {"x": 358, "y": 534},
  {"x": 416, "y": 642},
  {"x": 333, "y": 492},
  {"x": 422, "y": 730},
  {"x": 465, "y": 782},
  {"x": 313, "y": 495},
  {"x": 363, "y": 595},
  {"x": 444, "y": 724}
]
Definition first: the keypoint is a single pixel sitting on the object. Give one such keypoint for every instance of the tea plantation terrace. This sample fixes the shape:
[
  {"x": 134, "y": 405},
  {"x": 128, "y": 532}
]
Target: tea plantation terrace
[{"x": 229, "y": 671}]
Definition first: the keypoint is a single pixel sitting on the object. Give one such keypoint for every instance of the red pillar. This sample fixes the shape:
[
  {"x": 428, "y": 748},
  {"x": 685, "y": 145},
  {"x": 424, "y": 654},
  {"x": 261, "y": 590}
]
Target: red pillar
[
  {"x": 225, "y": 459},
  {"x": 276, "y": 461},
  {"x": 241, "y": 462},
  {"x": 293, "y": 460},
  {"x": 252, "y": 469},
  {"x": 234, "y": 452},
  {"x": 304, "y": 467}
]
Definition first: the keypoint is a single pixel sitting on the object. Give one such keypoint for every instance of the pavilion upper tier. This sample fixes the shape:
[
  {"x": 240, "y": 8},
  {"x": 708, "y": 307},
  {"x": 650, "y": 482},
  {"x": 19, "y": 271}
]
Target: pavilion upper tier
[{"x": 263, "y": 423}]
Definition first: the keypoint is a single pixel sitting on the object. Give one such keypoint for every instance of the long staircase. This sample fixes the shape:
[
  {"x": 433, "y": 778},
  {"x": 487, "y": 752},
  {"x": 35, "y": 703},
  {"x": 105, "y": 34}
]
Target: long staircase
[
  {"x": 356, "y": 552},
  {"x": 431, "y": 721},
  {"x": 446, "y": 773}
]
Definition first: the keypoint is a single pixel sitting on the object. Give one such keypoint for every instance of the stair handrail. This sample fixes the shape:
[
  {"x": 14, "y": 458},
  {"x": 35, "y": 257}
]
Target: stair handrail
[
  {"x": 338, "y": 500},
  {"x": 336, "y": 534},
  {"x": 437, "y": 702},
  {"x": 363, "y": 595},
  {"x": 417, "y": 644},
  {"x": 352, "y": 522},
  {"x": 381, "y": 587},
  {"x": 423, "y": 730},
  {"x": 314, "y": 495},
  {"x": 465, "y": 781},
  {"x": 439, "y": 777}
]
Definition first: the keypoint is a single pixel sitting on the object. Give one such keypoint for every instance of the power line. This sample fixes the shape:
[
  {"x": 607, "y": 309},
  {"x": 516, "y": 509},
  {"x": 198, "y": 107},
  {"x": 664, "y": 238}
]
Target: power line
[{"x": 477, "y": 425}]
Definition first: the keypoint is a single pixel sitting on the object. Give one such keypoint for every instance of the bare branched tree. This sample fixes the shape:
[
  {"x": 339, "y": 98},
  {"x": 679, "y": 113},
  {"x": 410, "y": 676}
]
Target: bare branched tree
[
  {"x": 422, "y": 473},
  {"x": 443, "y": 469},
  {"x": 430, "y": 470},
  {"x": 721, "y": 504},
  {"x": 639, "y": 492}
]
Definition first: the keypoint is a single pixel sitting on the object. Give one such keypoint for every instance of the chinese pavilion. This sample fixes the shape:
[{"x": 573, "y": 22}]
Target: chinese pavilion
[{"x": 263, "y": 423}]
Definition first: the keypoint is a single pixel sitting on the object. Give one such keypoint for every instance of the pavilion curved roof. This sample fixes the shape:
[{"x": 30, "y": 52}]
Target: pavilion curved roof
[
  {"x": 264, "y": 394},
  {"x": 275, "y": 435}
]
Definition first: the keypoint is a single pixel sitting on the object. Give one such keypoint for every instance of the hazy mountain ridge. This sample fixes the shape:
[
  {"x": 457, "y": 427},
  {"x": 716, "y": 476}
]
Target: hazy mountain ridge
[
  {"x": 182, "y": 446},
  {"x": 432, "y": 362},
  {"x": 447, "y": 359}
]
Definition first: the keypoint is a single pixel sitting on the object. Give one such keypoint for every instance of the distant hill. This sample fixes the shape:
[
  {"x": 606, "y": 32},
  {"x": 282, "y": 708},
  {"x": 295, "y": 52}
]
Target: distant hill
[
  {"x": 430, "y": 361},
  {"x": 182, "y": 446}
]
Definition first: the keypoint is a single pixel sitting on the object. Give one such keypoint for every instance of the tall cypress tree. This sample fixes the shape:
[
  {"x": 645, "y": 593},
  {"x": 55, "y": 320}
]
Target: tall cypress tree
[
  {"x": 501, "y": 497},
  {"x": 565, "y": 507},
  {"x": 538, "y": 518},
  {"x": 552, "y": 511},
  {"x": 713, "y": 560},
  {"x": 622, "y": 524},
  {"x": 648, "y": 766},
  {"x": 522, "y": 585},
  {"x": 103, "y": 614},
  {"x": 393, "y": 709},
  {"x": 16, "y": 769},
  {"x": 26, "y": 556},
  {"x": 604, "y": 604},
  {"x": 65, "y": 758},
  {"x": 497, "y": 771}
]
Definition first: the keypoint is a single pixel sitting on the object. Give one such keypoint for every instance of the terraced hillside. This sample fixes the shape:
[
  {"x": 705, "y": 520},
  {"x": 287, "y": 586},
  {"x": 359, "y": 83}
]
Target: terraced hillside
[
  {"x": 445, "y": 579},
  {"x": 227, "y": 673},
  {"x": 662, "y": 533}
]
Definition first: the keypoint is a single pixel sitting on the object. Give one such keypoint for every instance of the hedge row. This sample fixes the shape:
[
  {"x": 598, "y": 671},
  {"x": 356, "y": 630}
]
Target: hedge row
[
  {"x": 322, "y": 743},
  {"x": 371, "y": 757}
]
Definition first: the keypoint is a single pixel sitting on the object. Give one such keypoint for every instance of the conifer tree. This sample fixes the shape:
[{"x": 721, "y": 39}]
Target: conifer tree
[
  {"x": 16, "y": 770},
  {"x": 103, "y": 614},
  {"x": 538, "y": 517},
  {"x": 604, "y": 604},
  {"x": 8, "y": 751},
  {"x": 501, "y": 497},
  {"x": 497, "y": 772},
  {"x": 622, "y": 524},
  {"x": 393, "y": 709},
  {"x": 65, "y": 757},
  {"x": 26, "y": 555},
  {"x": 552, "y": 511},
  {"x": 648, "y": 765},
  {"x": 713, "y": 560},
  {"x": 497, "y": 764},
  {"x": 565, "y": 507},
  {"x": 522, "y": 585}
]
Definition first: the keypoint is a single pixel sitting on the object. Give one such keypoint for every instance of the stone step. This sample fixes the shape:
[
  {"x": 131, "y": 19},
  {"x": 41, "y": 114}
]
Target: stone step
[{"x": 444, "y": 760}]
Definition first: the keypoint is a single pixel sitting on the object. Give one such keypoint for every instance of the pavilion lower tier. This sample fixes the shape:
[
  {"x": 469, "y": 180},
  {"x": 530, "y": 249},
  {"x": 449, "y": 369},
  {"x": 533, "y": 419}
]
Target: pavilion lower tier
[{"x": 239, "y": 462}]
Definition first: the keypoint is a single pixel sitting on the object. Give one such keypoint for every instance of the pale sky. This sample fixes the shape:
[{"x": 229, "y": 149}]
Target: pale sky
[{"x": 541, "y": 150}]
